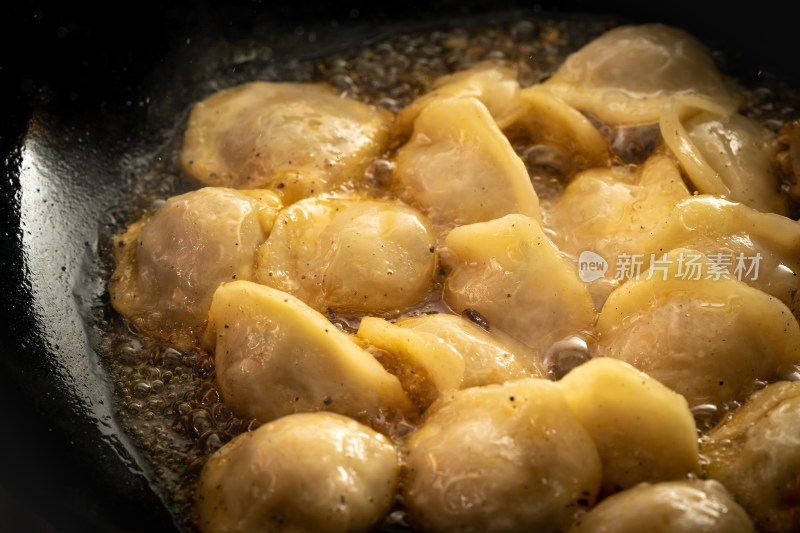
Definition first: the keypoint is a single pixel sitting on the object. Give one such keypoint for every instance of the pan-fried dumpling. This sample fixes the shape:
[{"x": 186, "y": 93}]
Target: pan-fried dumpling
[
  {"x": 500, "y": 458},
  {"x": 698, "y": 506},
  {"x": 459, "y": 168},
  {"x": 760, "y": 249},
  {"x": 755, "y": 454},
  {"x": 300, "y": 139},
  {"x": 303, "y": 473},
  {"x": 276, "y": 356},
  {"x": 628, "y": 74},
  {"x": 609, "y": 210},
  {"x": 511, "y": 273},
  {"x": 170, "y": 264},
  {"x": 350, "y": 255},
  {"x": 547, "y": 120},
  {"x": 707, "y": 336},
  {"x": 448, "y": 352},
  {"x": 643, "y": 430},
  {"x": 494, "y": 84},
  {"x": 723, "y": 153}
]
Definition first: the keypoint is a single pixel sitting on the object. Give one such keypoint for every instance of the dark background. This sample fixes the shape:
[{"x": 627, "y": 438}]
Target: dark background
[{"x": 83, "y": 59}]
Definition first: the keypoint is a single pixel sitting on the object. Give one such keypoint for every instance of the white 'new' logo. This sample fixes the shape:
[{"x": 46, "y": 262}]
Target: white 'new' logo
[{"x": 591, "y": 266}]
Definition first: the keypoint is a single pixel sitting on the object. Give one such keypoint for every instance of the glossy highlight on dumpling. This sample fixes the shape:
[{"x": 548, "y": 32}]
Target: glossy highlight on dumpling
[
  {"x": 627, "y": 75},
  {"x": 705, "y": 335},
  {"x": 300, "y": 139},
  {"x": 276, "y": 356},
  {"x": 500, "y": 458},
  {"x": 307, "y": 472},
  {"x": 170, "y": 264},
  {"x": 351, "y": 255},
  {"x": 723, "y": 153},
  {"x": 691, "y": 506}
]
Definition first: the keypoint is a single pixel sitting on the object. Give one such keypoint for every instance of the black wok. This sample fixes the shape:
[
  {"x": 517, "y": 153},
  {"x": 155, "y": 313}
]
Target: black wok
[{"x": 89, "y": 93}]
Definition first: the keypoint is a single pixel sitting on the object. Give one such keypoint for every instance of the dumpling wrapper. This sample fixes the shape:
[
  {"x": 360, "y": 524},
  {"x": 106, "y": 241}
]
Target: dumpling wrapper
[
  {"x": 627, "y": 75},
  {"x": 448, "y": 352},
  {"x": 500, "y": 458},
  {"x": 760, "y": 249},
  {"x": 692, "y": 506},
  {"x": 168, "y": 265},
  {"x": 643, "y": 430},
  {"x": 549, "y": 120},
  {"x": 755, "y": 453},
  {"x": 609, "y": 211},
  {"x": 511, "y": 273},
  {"x": 459, "y": 168},
  {"x": 303, "y": 472},
  {"x": 723, "y": 153},
  {"x": 350, "y": 255},
  {"x": 276, "y": 356},
  {"x": 495, "y": 85},
  {"x": 710, "y": 338},
  {"x": 299, "y": 139}
]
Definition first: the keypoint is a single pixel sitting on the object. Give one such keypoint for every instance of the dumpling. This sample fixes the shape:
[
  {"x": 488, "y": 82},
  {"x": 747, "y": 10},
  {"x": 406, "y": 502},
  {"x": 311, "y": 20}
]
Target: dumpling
[
  {"x": 459, "y": 168},
  {"x": 500, "y": 458},
  {"x": 698, "y": 506},
  {"x": 512, "y": 274},
  {"x": 723, "y": 153},
  {"x": 350, "y": 255},
  {"x": 755, "y": 453},
  {"x": 495, "y": 85},
  {"x": 169, "y": 265},
  {"x": 760, "y": 249},
  {"x": 628, "y": 74},
  {"x": 643, "y": 430},
  {"x": 276, "y": 356},
  {"x": 549, "y": 121},
  {"x": 302, "y": 473},
  {"x": 300, "y": 139},
  {"x": 609, "y": 211},
  {"x": 699, "y": 332},
  {"x": 448, "y": 352}
]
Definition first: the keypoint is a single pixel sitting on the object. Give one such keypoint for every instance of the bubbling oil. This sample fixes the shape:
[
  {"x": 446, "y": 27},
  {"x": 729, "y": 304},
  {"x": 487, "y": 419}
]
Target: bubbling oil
[{"x": 166, "y": 399}]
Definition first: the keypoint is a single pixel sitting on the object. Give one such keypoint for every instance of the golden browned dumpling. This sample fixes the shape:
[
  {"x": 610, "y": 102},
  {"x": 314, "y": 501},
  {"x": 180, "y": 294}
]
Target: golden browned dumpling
[
  {"x": 300, "y": 139},
  {"x": 643, "y": 430},
  {"x": 276, "y": 356},
  {"x": 669, "y": 507},
  {"x": 760, "y": 249},
  {"x": 170, "y": 264},
  {"x": 609, "y": 211},
  {"x": 459, "y": 168},
  {"x": 755, "y": 453},
  {"x": 627, "y": 75},
  {"x": 442, "y": 352},
  {"x": 709, "y": 337},
  {"x": 500, "y": 458},
  {"x": 510, "y": 272},
  {"x": 301, "y": 473},
  {"x": 352, "y": 255}
]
